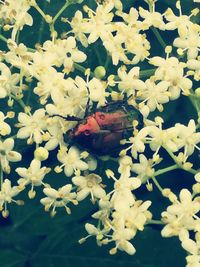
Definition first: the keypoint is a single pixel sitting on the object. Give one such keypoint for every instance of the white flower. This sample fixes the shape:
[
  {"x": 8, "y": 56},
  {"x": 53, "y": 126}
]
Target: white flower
[
  {"x": 194, "y": 64},
  {"x": 189, "y": 42},
  {"x": 130, "y": 81},
  {"x": 193, "y": 248},
  {"x": 113, "y": 45},
  {"x": 95, "y": 231},
  {"x": 152, "y": 19},
  {"x": 16, "y": 14},
  {"x": 144, "y": 169},
  {"x": 55, "y": 130},
  {"x": 5, "y": 128},
  {"x": 91, "y": 229},
  {"x": 32, "y": 126},
  {"x": 104, "y": 211},
  {"x": 181, "y": 22},
  {"x": 159, "y": 137},
  {"x": 7, "y": 154},
  {"x": 181, "y": 215},
  {"x": 71, "y": 160},
  {"x": 33, "y": 175},
  {"x": 58, "y": 198},
  {"x": 64, "y": 52},
  {"x": 135, "y": 44},
  {"x": 70, "y": 97},
  {"x": 97, "y": 91},
  {"x": 130, "y": 18},
  {"x": 79, "y": 25},
  {"x": 154, "y": 95},
  {"x": 49, "y": 87},
  {"x": 123, "y": 198},
  {"x": 7, "y": 193},
  {"x": 137, "y": 142},
  {"x": 100, "y": 22},
  {"x": 188, "y": 137},
  {"x": 121, "y": 236},
  {"x": 172, "y": 71},
  {"x": 20, "y": 57},
  {"x": 138, "y": 215},
  {"x": 197, "y": 177},
  {"x": 8, "y": 81},
  {"x": 90, "y": 184}
]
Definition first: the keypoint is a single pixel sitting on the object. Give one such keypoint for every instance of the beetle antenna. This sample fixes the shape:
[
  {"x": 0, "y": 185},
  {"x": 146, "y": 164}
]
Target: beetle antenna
[{"x": 67, "y": 118}]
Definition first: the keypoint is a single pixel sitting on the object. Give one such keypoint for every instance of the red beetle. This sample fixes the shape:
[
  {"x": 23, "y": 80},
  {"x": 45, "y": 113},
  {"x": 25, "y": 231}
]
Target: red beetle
[{"x": 101, "y": 131}]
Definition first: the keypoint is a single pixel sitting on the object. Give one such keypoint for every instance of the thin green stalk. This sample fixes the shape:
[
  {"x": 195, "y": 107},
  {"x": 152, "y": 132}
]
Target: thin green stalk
[
  {"x": 191, "y": 170},
  {"x": 180, "y": 166},
  {"x": 3, "y": 38},
  {"x": 21, "y": 80},
  {"x": 108, "y": 59},
  {"x": 98, "y": 56},
  {"x": 20, "y": 101},
  {"x": 147, "y": 73},
  {"x": 82, "y": 69},
  {"x": 40, "y": 11},
  {"x": 17, "y": 37},
  {"x": 155, "y": 222},
  {"x": 157, "y": 184},
  {"x": 41, "y": 29},
  {"x": 195, "y": 100},
  {"x": 167, "y": 169},
  {"x": 31, "y": 50},
  {"x": 1, "y": 174},
  {"x": 159, "y": 37},
  {"x": 60, "y": 12}
]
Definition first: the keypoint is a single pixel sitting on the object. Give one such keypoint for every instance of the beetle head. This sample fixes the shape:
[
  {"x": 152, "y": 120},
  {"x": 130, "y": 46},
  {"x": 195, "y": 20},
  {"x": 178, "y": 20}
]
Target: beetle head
[{"x": 90, "y": 127}]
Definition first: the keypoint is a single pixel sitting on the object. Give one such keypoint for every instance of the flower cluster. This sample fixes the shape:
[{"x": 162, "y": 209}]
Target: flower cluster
[
  {"x": 50, "y": 92},
  {"x": 120, "y": 214}
]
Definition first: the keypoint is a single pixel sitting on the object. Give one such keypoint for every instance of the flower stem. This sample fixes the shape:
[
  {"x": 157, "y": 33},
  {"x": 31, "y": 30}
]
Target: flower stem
[
  {"x": 157, "y": 184},
  {"x": 20, "y": 101},
  {"x": 167, "y": 169},
  {"x": 179, "y": 165},
  {"x": 41, "y": 29},
  {"x": 82, "y": 69},
  {"x": 107, "y": 62},
  {"x": 147, "y": 73},
  {"x": 195, "y": 100},
  {"x": 159, "y": 37},
  {"x": 1, "y": 174},
  {"x": 40, "y": 11},
  {"x": 98, "y": 56},
  {"x": 155, "y": 222},
  {"x": 3, "y": 38},
  {"x": 60, "y": 12}
]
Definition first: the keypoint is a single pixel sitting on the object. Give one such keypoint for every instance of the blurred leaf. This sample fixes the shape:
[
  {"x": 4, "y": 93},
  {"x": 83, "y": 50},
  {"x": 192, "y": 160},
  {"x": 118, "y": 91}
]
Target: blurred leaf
[{"x": 10, "y": 258}]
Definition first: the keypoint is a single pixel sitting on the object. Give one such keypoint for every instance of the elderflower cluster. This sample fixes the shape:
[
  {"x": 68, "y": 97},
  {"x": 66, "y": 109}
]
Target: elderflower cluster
[
  {"x": 120, "y": 213},
  {"x": 103, "y": 84}
]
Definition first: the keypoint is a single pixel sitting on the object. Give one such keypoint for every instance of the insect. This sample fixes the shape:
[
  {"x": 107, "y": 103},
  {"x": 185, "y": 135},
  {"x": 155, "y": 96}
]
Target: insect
[{"x": 101, "y": 131}]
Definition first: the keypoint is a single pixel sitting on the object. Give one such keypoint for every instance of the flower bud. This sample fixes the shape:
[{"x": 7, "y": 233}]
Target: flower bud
[
  {"x": 197, "y": 92},
  {"x": 48, "y": 18},
  {"x": 41, "y": 153},
  {"x": 100, "y": 72}
]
